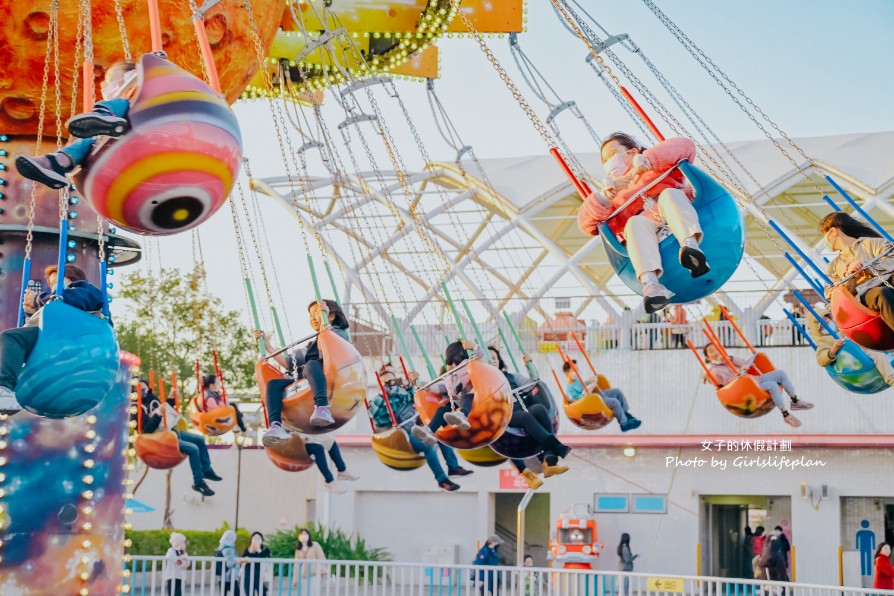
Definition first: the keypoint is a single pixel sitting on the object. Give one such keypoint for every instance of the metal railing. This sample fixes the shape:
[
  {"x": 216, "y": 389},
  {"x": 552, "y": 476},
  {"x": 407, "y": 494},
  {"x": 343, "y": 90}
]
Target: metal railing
[{"x": 144, "y": 576}]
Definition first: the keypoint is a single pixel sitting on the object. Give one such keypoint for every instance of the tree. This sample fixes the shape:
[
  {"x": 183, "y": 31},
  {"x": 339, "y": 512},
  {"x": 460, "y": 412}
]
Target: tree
[{"x": 173, "y": 320}]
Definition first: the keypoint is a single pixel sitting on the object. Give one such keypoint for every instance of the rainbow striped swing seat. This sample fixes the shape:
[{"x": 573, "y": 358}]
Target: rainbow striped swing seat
[{"x": 178, "y": 162}]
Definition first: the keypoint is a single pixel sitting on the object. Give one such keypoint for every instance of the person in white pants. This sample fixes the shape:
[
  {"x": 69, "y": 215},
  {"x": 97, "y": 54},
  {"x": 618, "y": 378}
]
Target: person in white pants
[{"x": 629, "y": 168}]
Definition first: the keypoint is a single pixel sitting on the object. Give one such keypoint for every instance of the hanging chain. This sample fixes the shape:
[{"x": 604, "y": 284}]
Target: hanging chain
[
  {"x": 541, "y": 129},
  {"x": 57, "y": 73},
  {"x": 122, "y": 28}
]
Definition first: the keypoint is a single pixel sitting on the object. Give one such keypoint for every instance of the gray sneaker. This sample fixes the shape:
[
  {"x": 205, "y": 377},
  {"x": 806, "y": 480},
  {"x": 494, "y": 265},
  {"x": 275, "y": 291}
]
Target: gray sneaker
[
  {"x": 802, "y": 405},
  {"x": 322, "y": 416},
  {"x": 9, "y": 405},
  {"x": 457, "y": 419},
  {"x": 791, "y": 421},
  {"x": 276, "y": 435},
  {"x": 424, "y": 434}
]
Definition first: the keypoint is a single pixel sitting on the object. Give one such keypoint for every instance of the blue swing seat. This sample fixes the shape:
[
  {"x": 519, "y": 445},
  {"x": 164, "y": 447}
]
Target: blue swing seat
[
  {"x": 854, "y": 371},
  {"x": 723, "y": 243},
  {"x": 73, "y": 365}
]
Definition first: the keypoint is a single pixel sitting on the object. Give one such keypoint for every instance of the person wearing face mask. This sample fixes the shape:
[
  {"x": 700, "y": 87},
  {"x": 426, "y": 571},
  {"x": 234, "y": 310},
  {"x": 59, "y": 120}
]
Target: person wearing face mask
[
  {"x": 769, "y": 382},
  {"x": 107, "y": 118},
  {"x": 254, "y": 571},
  {"x": 629, "y": 168},
  {"x": 308, "y": 550},
  {"x": 309, "y": 365},
  {"x": 827, "y": 347},
  {"x": 400, "y": 396},
  {"x": 857, "y": 244}
]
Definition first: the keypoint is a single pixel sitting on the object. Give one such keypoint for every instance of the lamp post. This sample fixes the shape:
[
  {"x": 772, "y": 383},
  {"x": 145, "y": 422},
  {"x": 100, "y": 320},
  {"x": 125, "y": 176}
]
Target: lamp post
[{"x": 241, "y": 442}]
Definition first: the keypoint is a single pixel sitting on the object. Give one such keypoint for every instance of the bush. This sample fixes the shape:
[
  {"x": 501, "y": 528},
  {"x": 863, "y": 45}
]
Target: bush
[
  {"x": 199, "y": 543},
  {"x": 337, "y": 545}
]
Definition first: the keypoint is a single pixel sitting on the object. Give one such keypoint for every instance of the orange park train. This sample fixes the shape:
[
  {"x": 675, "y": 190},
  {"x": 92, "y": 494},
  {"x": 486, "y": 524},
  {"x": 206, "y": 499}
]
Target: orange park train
[{"x": 576, "y": 543}]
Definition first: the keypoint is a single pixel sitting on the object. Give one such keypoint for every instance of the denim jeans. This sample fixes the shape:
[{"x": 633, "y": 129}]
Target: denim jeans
[
  {"x": 770, "y": 383},
  {"x": 465, "y": 406},
  {"x": 276, "y": 391},
  {"x": 430, "y": 453},
  {"x": 318, "y": 452},
  {"x": 615, "y": 400},
  {"x": 15, "y": 347},
  {"x": 78, "y": 151},
  {"x": 194, "y": 448}
]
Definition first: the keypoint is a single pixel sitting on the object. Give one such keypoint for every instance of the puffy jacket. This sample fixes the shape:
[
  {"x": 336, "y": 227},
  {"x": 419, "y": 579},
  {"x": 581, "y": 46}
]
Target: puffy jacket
[
  {"x": 863, "y": 251},
  {"x": 401, "y": 399},
  {"x": 662, "y": 157}
]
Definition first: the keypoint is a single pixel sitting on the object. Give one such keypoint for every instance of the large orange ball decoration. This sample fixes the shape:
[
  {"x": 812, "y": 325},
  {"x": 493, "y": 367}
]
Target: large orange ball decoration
[{"x": 23, "y": 45}]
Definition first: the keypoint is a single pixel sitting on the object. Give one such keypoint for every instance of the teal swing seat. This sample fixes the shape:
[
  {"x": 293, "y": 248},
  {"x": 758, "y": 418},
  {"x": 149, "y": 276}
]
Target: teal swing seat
[
  {"x": 854, "y": 371},
  {"x": 73, "y": 365}
]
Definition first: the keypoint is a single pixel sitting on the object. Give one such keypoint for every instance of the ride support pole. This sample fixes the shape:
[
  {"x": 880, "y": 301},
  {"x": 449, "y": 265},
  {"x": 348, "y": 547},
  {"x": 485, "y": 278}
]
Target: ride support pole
[
  {"x": 799, "y": 327},
  {"x": 459, "y": 322},
  {"x": 428, "y": 365},
  {"x": 403, "y": 343},
  {"x": 155, "y": 26},
  {"x": 313, "y": 276},
  {"x": 816, "y": 315},
  {"x": 736, "y": 328},
  {"x": 574, "y": 368},
  {"x": 385, "y": 399},
  {"x": 60, "y": 264},
  {"x": 860, "y": 210},
  {"x": 642, "y": 114},
  {"x": 198, "y": 23},
  {"x": 331, "y": 280},
  {"x": 561, "y": 389},
  {"x": 702, "y": 362},
  {"x": 276, "y": 323},
  {"x": 262, "y": 349},
  {"x": 582, "y": 188},
  {"x": 715, "y": 341},
  {"x": 816, "y": 287},
  {"x": 801, "y": 253},
  {"x": 580, "y": 347},
  {"x": 481, "y": 343},
  {"x": 26, "y": 277},
  {"x": 508, "y": 349},
  {"x": 514, "y": 331}
]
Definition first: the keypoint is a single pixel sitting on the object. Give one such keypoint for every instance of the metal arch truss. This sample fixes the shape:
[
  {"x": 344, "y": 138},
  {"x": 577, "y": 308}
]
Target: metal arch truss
[{"x": 333, "y": 209}]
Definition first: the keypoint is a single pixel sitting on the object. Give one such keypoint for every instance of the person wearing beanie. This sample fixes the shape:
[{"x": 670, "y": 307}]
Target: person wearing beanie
[
  {"x": 229, "y": 568},
  {"x": 175, "y": 565}
]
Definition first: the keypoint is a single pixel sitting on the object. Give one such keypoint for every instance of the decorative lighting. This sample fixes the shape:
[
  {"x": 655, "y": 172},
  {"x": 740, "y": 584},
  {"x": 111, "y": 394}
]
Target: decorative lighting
[{"x": 629, "y": 451}]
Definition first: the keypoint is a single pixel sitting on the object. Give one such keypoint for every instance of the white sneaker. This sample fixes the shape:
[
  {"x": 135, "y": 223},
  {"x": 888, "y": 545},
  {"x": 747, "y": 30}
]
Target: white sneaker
[
  {"x": 347, "y": 476},
  {"x": 457, "y": 419},
  {"x": 9, "y": 405},
  {"x": 334, "y": 487},
  {"x": 424, "y": 434},
  {"x": 655, "y": 297},
  {"x": 276, "y": 435}
]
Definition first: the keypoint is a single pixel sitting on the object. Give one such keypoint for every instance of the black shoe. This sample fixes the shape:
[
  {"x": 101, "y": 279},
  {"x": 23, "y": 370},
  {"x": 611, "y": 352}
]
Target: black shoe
[
  {"x": 460, "y": 471},
  {"x": 555, "y": 446},
  {"x": 448, "y": 486},
  {"x": 52, "y": 175},
  {"x": 210, "y": 475},
  {"x": 203, "y": 489},
  {"x": 92, "y": 124},
  {"x": 694, "y": 260}
]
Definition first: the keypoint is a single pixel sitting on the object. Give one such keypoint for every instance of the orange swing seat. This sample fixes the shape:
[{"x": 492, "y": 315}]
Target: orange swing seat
[
  {"x": 590, "y": 412},
  {"x": 343, "y": 368},
  {"x": 214, "y": 422},
  {"x": 159, "y": 451},
  {"x": 863, "y": 326},
  {"x": 491, "y": 408},
  {"x": 290, "y": 456},
  {"x": 744, "y": 397}
]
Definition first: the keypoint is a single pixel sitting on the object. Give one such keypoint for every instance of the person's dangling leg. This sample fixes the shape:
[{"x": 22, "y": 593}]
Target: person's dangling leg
[
  {"x": 449, "y": 455},
  {"x": 642, "y": 246},
  {"x": 780, "y": 377},
  {"x": 881, "y": 300},
  {"x": 52, "y": 169},
  {"x": 313, "y": 372},
  {"x": 682, "y": 219},
  {"x": 882, "y": 362},
  {"x": 426, "y": 433},
  {"x": 276, "y": 434},
  {"x": 622, "y": 399},
  {"x": 340, "y": 465},
  {"x": 202, "y": 447},
  {"x": 107, "y": 118},
  {"x": 16, "y": 346},
  {"x": 195, "y": 465},
  {"x": 318, "y": 453},
  {"x": 772, "y": 387},
  {"x": 430, "y": 453},
  {"x": 552, "y": 443},
  {"x": 460, "y": 417}
]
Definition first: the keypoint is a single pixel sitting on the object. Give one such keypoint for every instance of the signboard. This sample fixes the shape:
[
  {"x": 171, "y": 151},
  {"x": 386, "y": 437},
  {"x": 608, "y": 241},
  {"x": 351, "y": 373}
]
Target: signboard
[
  {"x": 512, "y": 480},
  {"x": 665, "y": 584}
]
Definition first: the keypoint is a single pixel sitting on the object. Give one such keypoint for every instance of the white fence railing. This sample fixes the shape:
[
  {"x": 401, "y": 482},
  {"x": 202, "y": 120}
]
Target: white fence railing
[{"x": 145, "y": 576}]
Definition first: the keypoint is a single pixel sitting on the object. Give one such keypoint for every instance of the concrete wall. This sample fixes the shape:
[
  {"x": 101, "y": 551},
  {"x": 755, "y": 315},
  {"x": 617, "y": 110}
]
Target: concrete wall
[{"x": 405, "y": 511}]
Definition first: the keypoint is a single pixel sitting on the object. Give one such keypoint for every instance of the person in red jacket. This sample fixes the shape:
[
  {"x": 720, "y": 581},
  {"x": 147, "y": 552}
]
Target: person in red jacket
[
  {"x": 884, "y": 570},
  {"x": 630, "y": 167}
]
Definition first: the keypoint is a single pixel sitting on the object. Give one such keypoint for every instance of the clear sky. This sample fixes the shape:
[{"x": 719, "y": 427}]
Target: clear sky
[{"x": 817, "y": 67}]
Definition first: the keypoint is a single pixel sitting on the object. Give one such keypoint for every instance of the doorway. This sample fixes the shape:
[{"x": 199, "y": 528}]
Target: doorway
[
  {"x": 725, "y": 552},
  {"x": 537, "y": 526}
]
